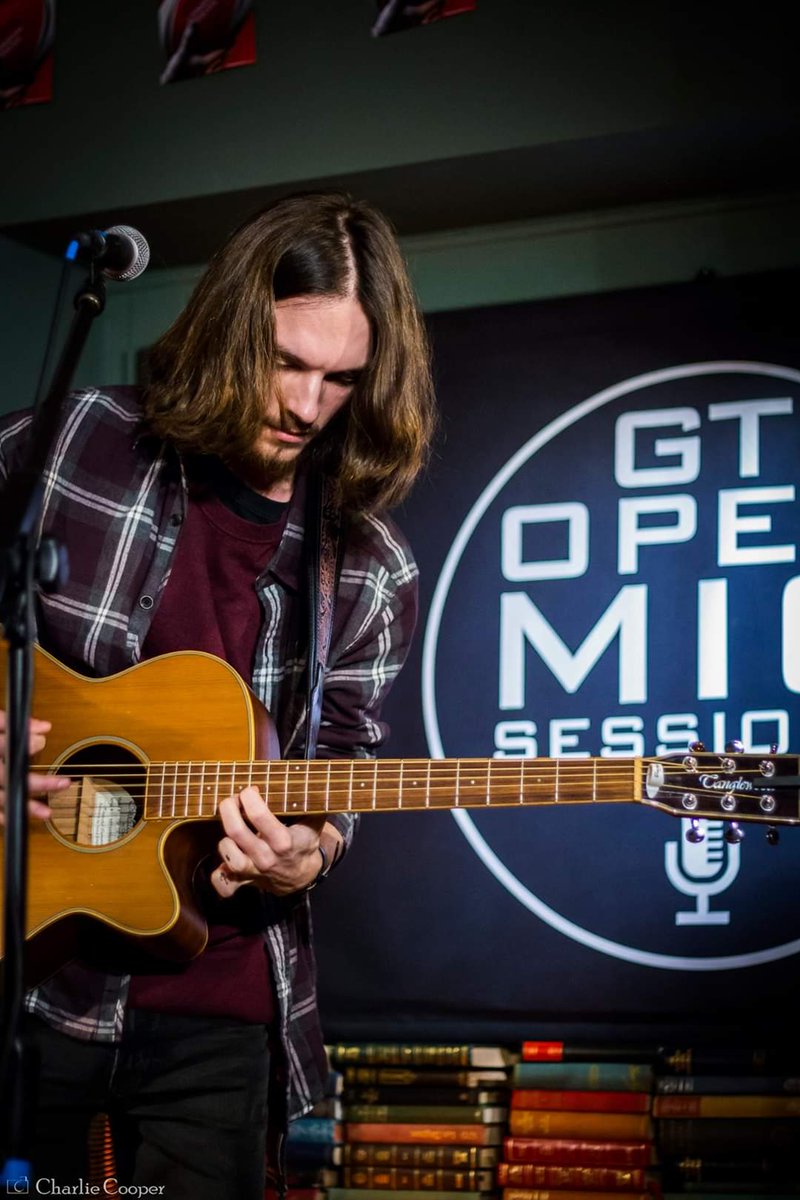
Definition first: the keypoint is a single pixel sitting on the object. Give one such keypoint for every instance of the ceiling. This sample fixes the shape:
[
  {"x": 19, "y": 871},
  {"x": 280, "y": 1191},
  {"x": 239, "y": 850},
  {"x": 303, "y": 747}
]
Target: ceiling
[{"x": 715, "y": 159}]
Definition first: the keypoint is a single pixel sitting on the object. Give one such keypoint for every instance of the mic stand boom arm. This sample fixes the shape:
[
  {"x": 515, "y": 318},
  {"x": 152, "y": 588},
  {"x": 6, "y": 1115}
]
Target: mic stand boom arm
[{"x": 24, "y": 564}]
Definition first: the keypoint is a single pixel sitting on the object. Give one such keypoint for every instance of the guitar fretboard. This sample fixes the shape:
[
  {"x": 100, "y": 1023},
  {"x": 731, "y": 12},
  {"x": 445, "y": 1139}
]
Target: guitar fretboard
[{"x": 194, "y": 789}]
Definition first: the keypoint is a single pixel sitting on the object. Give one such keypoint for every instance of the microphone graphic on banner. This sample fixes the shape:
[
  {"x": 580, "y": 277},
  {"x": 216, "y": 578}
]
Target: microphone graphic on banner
[{"x": 702, "y": 869}]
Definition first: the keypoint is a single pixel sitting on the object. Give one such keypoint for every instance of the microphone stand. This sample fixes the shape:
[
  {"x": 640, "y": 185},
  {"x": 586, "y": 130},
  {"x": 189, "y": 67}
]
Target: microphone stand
[{"x": 25, "y": 563}]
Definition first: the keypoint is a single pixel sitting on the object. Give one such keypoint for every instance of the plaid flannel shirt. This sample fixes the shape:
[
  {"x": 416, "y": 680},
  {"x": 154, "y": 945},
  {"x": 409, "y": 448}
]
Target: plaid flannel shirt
[{"x": 116, "y": 498}]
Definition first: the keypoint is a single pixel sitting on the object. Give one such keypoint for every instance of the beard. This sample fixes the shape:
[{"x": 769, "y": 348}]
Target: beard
[{"x": 265, "y": 468}]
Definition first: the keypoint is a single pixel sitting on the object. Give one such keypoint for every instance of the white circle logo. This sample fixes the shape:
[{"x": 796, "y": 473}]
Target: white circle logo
[{"x": 664, "y": 528}]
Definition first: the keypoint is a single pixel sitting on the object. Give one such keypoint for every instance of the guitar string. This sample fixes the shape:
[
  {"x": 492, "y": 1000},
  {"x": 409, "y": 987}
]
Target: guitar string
[
  {"x": 403, "y": 766},
  {"x": 386, "y": 798}
]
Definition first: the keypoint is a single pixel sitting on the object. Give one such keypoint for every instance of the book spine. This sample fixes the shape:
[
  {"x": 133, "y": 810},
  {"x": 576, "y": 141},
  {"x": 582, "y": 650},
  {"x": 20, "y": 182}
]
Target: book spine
[
  {"x": 422, "y": 1076},
  {"x": 315, "y": 1129},
  {"x": 527, "y": 1123},
  {"x": 726, "y": 1106},
  {"x": 423, "y": 1095},
  {"x": 398, "y": 1131},
  {"x": 398, "y": 1054},
  {"x": 533, "y": 1051},
  {"x": 306, "y": 1155},
  {"x": 344, "y": 1193},
  {"x": 597, "y": 1076},
  {"x": 572, "y": 1194},
  {"x": 580, "y": 1101},
  {"x": 419, "y": 1114},
  {"x": 732, "y": 1061},
  {"x": 528, "y": 1175},
  {"x": 321, "y": 1177},
  {"x": 728, "y": 1085},
  {"x": 418, "y": 1178},
  {"x": 731, "y": 1171},
  {"x": 590, "y": 1152},
  {"x": 746, "y": 1137},
  {"x": 404, "y": 1155}
]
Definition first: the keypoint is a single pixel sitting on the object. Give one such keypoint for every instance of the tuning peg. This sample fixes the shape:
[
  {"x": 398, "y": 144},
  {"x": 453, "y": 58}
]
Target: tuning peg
[
  {"x": 697, "y": 747},
  {"x": 773, "y": 836},
  {"x": 773, "y": 748},
  {"x": 734, "y": 746},
  {"x": 733, "y": 834},
  {"x": 694, "y": 834}
]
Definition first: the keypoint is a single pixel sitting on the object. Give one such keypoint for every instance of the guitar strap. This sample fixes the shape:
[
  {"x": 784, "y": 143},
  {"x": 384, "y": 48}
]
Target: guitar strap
[{"x": 324, "y": 543}]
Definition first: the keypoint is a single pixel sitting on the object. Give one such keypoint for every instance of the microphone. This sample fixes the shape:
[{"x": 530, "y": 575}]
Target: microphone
[
  {"x": 120, "y": 252},
  {"x": 702, "y": 870}
]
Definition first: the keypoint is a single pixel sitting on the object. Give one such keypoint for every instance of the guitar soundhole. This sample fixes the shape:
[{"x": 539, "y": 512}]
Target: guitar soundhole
[{"x": 106, "y": 799}]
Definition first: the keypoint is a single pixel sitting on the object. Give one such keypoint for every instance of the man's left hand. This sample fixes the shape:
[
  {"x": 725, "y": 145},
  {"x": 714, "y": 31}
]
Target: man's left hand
[{"x": 258, "y": 848}]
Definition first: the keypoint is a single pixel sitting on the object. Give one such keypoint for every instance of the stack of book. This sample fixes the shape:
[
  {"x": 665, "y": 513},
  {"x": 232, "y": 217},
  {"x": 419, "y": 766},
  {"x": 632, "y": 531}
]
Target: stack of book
[
  {"x": 728, "y": 1122},
  {"x": 314, "y": 1146},
  {"x": 422, "y": 1122},
  {"x": 579, "y": 1125}
]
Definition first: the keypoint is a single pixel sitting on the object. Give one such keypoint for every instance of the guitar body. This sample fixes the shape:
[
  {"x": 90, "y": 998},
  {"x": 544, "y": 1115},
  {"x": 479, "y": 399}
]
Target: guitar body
[{"x": 105, "y": 732}]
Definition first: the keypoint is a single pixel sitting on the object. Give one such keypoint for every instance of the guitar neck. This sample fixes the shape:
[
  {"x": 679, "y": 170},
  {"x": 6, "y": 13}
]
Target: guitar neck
[{"x": 193, "y": 790}]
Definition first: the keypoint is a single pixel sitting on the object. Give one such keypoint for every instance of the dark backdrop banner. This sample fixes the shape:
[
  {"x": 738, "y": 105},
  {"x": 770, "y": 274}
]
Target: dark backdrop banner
[{"x": 608, "y": 544}]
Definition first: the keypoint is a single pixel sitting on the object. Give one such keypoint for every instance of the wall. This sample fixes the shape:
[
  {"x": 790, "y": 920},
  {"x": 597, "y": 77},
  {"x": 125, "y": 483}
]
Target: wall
[
  {"x": 28, "y": 286},
  {"x": 594, "y": 252},
  {"x": 327, "y": 99}
]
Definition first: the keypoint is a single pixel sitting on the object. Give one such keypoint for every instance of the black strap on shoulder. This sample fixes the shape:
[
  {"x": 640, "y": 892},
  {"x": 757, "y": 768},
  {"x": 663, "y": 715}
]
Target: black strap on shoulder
[{"x": 323, "y": 536}]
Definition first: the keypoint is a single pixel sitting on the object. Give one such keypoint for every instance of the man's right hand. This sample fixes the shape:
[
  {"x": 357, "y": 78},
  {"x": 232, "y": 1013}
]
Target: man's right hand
[{"x": 39, "y": 786}]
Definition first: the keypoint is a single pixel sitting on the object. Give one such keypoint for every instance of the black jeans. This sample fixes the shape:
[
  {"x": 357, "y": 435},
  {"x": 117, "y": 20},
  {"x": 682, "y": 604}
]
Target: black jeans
[{"x": 186, "y": 1099}]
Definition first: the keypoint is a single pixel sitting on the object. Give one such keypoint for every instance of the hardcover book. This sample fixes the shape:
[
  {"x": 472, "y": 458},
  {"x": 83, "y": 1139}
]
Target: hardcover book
[
  {"x": 589, "y": 1151},
  {"x": 580, "y": 1101},
  {"x": 454, "y": 1135},
  {"x": 419, "y": 1178},
  {"x": 528, "y": 1175},
  {"x": 418, "y": 1114},
  {"x": 401, "y": 1054},
  {"x": 342, "y": 1193},
  {"x": 401, "y": 1154},
  {"x": 424, "y": 1076},
  {"x": 572, "y": 1194},
  {"x": 591, "y": 1076},
  {"x": 726, "y": 1106},
  {"x": 315, "y": 1129},
  {"x": 534, "y": 1051},
  {"x": 424, "y": 1095},
  {"x": 728, "y": 1137},
  {"x": 728, "y": 1085},
  {"x": 608, "y": 1126}
]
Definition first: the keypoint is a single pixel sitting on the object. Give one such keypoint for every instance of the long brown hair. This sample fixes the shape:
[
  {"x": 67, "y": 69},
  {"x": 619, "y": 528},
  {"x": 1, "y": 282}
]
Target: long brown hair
[{"x": 211, "y": 372}]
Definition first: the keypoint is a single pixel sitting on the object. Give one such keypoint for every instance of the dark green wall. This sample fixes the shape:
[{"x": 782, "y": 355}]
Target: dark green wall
[{"x": 326, "y": 99}]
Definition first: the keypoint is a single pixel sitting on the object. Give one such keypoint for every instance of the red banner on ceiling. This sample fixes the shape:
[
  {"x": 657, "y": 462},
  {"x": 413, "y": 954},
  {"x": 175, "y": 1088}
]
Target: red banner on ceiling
[
  {"x": 394, "y": 16},
  {"x": 26, "y": 52},
  {"x": 201, "y": 37}
]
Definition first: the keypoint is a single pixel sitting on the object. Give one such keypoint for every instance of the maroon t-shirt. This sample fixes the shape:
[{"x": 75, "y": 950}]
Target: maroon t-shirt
[{"x": 210, "y": 603}]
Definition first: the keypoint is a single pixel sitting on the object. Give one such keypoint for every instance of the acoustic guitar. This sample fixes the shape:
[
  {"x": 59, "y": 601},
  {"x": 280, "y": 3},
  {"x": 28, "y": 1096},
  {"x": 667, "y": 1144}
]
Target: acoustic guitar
[{"x": 151, "y": 752}]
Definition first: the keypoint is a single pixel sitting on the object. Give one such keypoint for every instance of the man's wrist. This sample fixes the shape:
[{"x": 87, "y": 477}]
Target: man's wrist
[{"x": 323, "y": 871}]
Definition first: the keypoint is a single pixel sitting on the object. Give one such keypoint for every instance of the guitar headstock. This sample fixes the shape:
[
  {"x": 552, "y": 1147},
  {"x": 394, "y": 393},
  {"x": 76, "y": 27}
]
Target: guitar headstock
[{"x": 729, "y": 786}]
